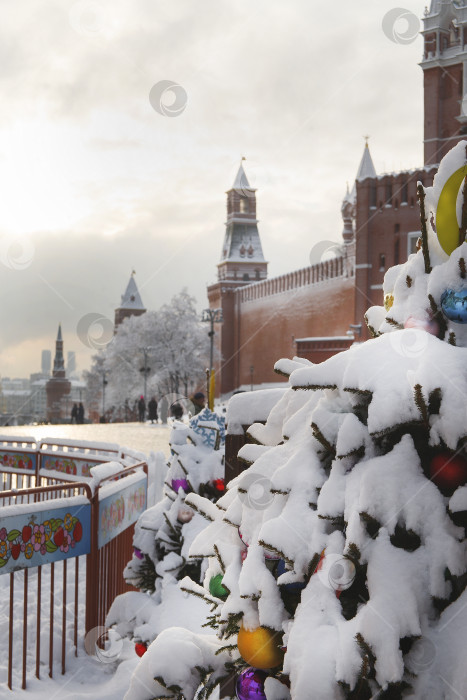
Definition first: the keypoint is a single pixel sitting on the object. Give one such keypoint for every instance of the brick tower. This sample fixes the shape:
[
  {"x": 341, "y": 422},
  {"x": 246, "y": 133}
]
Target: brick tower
[
  {"x": 242, "y": 262},
  {"x": 445, "y": 77},
  {"x": 58, "y": 386},
  {"x": 131, "y": 303}
]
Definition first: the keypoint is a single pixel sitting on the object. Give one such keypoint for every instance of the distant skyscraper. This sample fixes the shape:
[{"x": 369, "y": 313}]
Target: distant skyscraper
[
  {"x": 46, "y": 364},
  {"x": 71, "y": 362}
]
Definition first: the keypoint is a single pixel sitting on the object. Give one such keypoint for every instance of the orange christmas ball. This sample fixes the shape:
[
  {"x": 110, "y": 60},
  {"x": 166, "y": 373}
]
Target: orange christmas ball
[{"x": 260, "y": 647}]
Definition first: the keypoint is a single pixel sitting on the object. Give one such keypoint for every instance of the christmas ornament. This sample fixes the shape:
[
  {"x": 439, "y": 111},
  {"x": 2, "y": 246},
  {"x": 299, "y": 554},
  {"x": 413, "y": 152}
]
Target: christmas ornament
[
  {"x": 185, "y": 514},
  {"x": 140, "y": 648},
  {"x": 250, "y": 684},
  {"x": 292, "y": 587},
  {"x": 454, "y": 305},
  {"x": 210, "y": 428},
  {"x": 448, "y": 470},
  {"x": 388, "y": 301},
  {"x": 447, "y": 227},
  {"x": 216, "y": 588},
  {"x": 138, "y": 553},
  {"x": 219, "y": 485},
  {"x": 178, "y": 484},
  {"x": 260, "y": 647}
]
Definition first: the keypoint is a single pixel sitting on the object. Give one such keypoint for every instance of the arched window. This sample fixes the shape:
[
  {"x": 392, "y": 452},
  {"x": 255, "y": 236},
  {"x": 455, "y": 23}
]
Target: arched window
[{"x": 244, "y": 205}]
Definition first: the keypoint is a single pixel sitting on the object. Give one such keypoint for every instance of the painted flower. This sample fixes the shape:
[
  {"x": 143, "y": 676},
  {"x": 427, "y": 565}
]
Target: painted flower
[
  {"x": 47, "y": 530},
  {"x": 28, "y": 550},
  {"x": 68, "y": 521},
  {"x": 38, "y": 537},
  {"x": 64, "y": 547},
  {"x": 3, "y": 533},
  {"x": 43, "y": 549},
  {"x": 3, "y": 548}
]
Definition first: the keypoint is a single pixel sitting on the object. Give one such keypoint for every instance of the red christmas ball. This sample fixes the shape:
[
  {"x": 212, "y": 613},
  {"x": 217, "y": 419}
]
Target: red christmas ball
[
  {"x": 140, "y": 648},
  {"x": 219, "y": 485},
  {"x": 448, "y": 470}
]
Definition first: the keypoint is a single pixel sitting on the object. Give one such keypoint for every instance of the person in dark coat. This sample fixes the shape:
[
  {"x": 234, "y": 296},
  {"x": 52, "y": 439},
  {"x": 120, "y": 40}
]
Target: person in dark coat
[
  {"x": 80, "y": 414},
  {"x": 152, "y": 408},
  {"x": 74, "y": 413},
  {"x": 176, "y": 411},
  {"x": 198, "y": 402},
  {"x": 141, "y": 409}
]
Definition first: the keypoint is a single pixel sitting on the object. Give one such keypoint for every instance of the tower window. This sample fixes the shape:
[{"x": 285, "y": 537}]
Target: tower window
[
  {"x": 382, "y": 261},
  {"x": 372, "y": 194},
  {"x": 244, "y": 205},
  {"x": 246, "y": 276},
  {"x": 257, "y": 274}
]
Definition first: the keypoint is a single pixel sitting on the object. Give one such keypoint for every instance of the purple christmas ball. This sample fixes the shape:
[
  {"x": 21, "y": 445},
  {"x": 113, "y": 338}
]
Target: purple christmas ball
[
  {"x": 138, "y": 553},
  {"x": 178, "y": 484},
  {"x": 250, "y": 684}
]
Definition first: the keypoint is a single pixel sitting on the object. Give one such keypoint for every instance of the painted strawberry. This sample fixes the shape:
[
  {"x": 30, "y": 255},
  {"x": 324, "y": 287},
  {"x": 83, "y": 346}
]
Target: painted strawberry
[
  {"x": 59, "y": 536},
  {"x": 26, "y": 534},
  {"x": 78, "y": 532},
  {"x": 20, "y": 464},
  {"x": 15, "y": 550}
]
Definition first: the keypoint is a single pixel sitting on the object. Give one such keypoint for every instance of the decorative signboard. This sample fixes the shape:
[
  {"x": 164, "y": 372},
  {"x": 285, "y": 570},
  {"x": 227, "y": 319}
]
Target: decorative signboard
[
  {"x": 45, "y": 535},
  {"x": 23, "y": 462},
  {"x": 67, "y": 465},
  {"x": 121, "y": 509}
]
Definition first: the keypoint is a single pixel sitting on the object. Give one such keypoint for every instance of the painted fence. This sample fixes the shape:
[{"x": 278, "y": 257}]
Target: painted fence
[{"x": 60, "y": 528}]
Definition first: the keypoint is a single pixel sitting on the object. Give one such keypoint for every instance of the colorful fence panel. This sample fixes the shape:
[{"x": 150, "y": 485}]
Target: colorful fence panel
[
  {"x": 43, "y": 535},
  {"x": 19, "y": 461},
  {"x": 121, "y": 509},
  {"x": 69, "y": 465}
]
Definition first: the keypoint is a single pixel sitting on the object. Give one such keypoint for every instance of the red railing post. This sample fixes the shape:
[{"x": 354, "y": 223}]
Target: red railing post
[{"x": 92, "y": 568}]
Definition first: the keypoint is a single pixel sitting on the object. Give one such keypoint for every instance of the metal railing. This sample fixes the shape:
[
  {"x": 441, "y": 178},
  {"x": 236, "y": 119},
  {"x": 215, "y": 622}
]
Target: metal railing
[{"x": 63, "y": 525}]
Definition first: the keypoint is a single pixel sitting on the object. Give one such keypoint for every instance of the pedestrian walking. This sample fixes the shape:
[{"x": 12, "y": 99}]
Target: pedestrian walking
[
  {"x": 152, "y": 410},
  {"x": 74, "y": 413},
  {"x": 80, "y": 415},
  {"x": 141, "y": 409}
]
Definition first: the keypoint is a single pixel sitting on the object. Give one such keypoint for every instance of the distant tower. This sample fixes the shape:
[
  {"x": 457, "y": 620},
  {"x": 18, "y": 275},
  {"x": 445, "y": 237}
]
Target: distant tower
[
  {"x": 58, "y": 387},
  {"x": 445, "y": 77},
  {"x": 131, "y": 303},
  {"x": 242, "y": 260},
  {"x": 46, "y": 362},
  {"x": 242, "y": 263}
]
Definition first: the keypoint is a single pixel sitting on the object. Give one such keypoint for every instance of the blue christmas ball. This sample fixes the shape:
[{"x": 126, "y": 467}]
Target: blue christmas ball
[
  {"x": 292, "y": 587},
  {"x": 454, "y": 305}
]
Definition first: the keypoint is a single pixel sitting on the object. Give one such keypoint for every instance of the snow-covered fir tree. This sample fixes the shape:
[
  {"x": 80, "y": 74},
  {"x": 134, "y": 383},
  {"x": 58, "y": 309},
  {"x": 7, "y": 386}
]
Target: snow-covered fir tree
[
  {"x": 165, "y": 532},
  {"x": 337, "y": 560}
]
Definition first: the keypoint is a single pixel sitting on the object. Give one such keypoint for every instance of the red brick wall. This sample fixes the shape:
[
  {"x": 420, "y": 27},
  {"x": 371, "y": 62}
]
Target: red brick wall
[
  {"x": 442, "y": 96},
  {"x": 269, "y": 326}
]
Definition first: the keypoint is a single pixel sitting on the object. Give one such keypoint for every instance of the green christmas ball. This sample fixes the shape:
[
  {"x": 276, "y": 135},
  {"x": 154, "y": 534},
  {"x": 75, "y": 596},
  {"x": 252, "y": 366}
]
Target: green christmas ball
[{"x": 216, "y": 588}]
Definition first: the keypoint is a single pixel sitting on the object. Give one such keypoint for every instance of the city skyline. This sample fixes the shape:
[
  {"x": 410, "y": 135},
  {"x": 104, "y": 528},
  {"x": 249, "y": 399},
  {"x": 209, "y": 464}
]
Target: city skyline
[{"x": 98, "y": 181}]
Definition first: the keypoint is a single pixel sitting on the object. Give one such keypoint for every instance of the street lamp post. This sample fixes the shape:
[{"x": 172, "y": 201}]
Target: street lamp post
[
  {"x": 104, "y": 384},
  {"x": 145, "y": 369},
  {"x": 211, "y": 316}
]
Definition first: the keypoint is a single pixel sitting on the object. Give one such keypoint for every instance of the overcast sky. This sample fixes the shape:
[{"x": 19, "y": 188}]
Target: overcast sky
[{"x": 95, "y": 182}]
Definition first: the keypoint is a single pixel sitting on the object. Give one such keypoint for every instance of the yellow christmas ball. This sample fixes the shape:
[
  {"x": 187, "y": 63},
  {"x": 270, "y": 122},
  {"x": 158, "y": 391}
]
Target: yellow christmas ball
[
  {"x": 260, "y": 647},
  {"x": 388, "y": 301}
]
